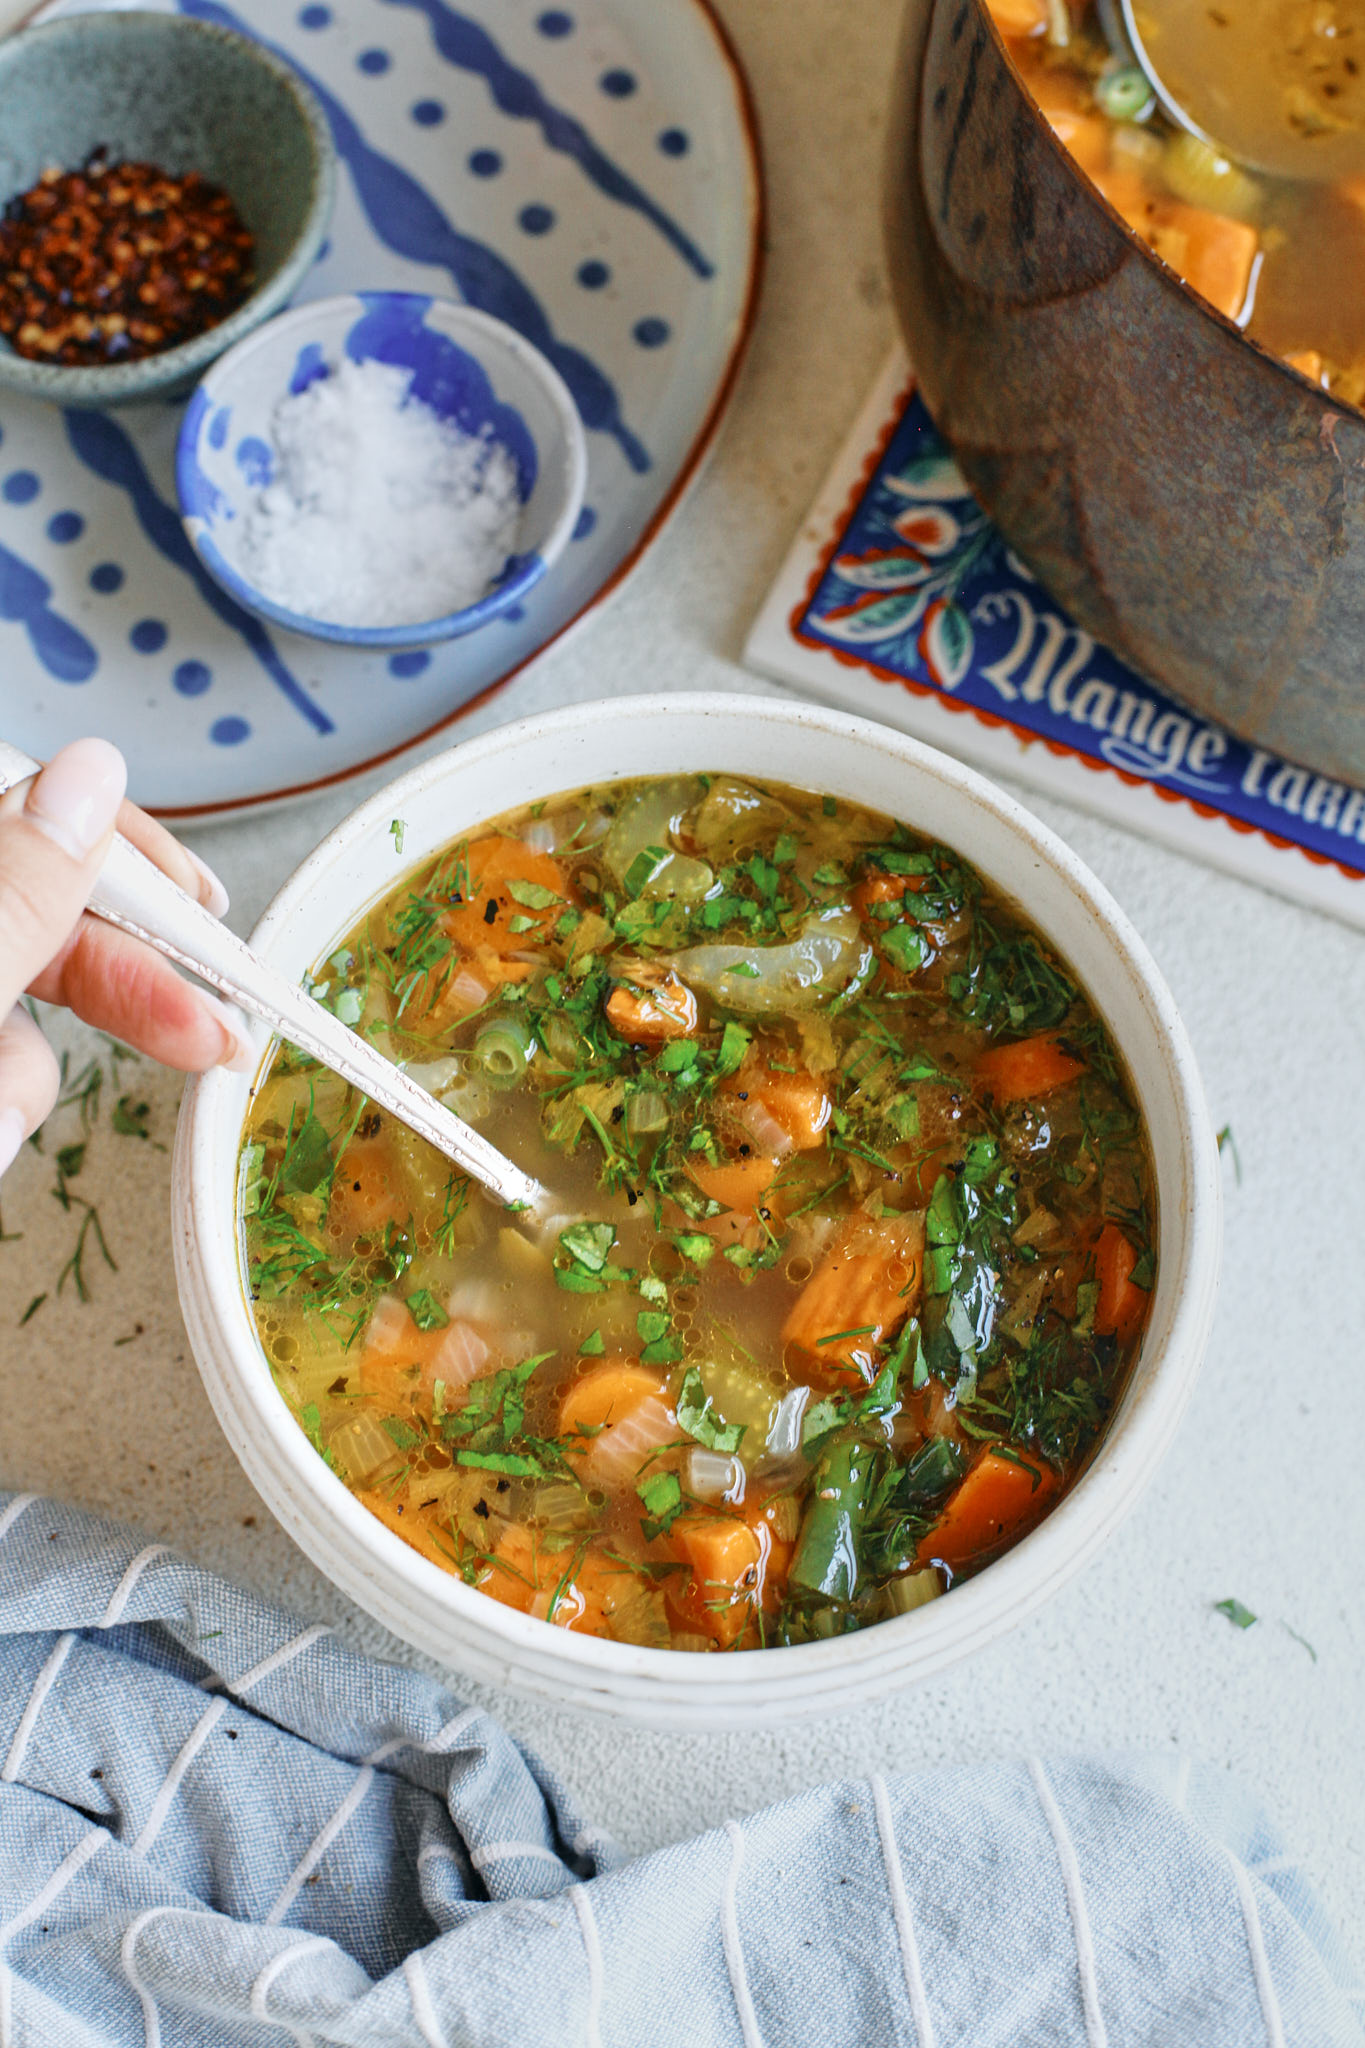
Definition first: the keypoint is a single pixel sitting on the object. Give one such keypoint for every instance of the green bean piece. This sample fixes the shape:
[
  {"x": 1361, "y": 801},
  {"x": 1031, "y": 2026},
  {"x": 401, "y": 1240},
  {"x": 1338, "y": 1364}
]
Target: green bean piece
[
  {"x": 826, "y": 1559},
  {"x": 1124, "y": 95},
  {"x": 502, "y": 1049}
]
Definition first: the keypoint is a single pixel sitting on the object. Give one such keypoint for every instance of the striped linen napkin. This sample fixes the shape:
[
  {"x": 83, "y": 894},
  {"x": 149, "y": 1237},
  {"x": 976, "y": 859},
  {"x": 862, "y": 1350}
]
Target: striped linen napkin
[{"x": 219, "y": 1829}]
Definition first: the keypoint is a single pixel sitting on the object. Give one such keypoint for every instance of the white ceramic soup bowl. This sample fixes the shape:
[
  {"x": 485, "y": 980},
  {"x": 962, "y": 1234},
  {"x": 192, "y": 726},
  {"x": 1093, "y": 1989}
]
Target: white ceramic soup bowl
[{"x": 815, "y": 749}]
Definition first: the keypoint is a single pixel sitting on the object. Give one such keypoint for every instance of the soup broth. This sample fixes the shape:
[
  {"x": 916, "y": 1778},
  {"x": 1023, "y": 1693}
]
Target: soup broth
[
  {"x": 854, "y": 1222},
  {"x": 1282, "y": 257}
]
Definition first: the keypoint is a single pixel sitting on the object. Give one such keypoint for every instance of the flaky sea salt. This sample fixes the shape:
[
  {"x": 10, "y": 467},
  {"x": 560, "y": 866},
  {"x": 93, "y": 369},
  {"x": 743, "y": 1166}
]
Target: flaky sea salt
[{"x": 378, "y": 512}]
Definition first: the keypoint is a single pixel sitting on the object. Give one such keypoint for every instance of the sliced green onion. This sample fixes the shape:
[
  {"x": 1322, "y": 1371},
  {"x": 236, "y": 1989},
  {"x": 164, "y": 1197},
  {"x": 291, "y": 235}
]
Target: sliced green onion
[
  {"x": 502, "y": 1049},
  {"x": 913, "y": 1590},
  {"x": 1125, "y": 94}
]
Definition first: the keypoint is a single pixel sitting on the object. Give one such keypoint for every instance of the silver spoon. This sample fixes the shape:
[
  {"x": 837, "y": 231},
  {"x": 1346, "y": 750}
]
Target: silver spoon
[
  {"x": 1278, "y": 85},
  {"x": 134, "y": 895}
]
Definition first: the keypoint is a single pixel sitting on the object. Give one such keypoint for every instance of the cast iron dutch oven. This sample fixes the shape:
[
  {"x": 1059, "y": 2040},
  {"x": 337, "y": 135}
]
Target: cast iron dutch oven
[{"x": 1192, "y": 501}]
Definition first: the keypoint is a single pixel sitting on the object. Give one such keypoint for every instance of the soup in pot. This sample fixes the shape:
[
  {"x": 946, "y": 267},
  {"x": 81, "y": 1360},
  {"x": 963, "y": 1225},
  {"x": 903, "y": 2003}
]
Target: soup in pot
[{"x": 1283, "y": 257}]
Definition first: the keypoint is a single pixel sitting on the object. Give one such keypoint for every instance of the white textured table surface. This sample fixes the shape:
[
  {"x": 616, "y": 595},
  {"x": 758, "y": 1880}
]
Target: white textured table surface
[{"x": 1261, "y": 1497}]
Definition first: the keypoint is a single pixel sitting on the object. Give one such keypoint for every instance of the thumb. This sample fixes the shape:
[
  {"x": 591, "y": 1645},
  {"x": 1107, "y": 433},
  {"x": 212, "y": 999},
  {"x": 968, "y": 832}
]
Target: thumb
[{"x": 54, "y": 833}]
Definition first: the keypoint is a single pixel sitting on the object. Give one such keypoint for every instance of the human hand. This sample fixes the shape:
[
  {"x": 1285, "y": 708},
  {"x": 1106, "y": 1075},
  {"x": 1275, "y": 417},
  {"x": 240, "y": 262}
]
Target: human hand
[{"x": 54, "y": 833}]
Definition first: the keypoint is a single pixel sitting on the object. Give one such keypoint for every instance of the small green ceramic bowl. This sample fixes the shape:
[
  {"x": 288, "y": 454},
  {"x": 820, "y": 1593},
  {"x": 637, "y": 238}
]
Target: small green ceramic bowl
[{"x": 188, "y": 96}]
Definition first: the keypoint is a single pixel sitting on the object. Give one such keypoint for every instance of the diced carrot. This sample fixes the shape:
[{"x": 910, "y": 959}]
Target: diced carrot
[
  {"x": 1218, "y": 255},
  {"x": 550, "y": 1584},
  {"x": 512, "y": 1574},
  {"x": 456, "y": 990},
  {"x": 781, "y": 1112},
  {"x": 732, "y": 1226},
  {"x": 1017, "y": 19},
  {"x": 737, "y": 1183},
  {"x": 1122, "y": 1303},
  {"x": 1308, "y": 362},
  {"x": 493, "y": 864},
  {"x": 367, "y": 1189},
  {"x": 399, "y": 1360},
  {"x": 878, "y": 887},
  {"x": 1026, "y": 1070},
  {"x": 1211, "y": 251},
  {"x": 1352, "y": 190},
  {"x": 648, "y": 1016},
  {"x": 718, "y": 1595},
  {"x": 764, "y": 1518},
  {"x": 1084, "y": 137},
  {"x": 645, "y": 1441},
  {"x": 622, "y": 1410},
  {"x": 864, "y": 1287},
  {"x": 1064, "y": 102},
  {"x": 796, "y": 1101},
  {"x": 407, "y": 1523},
  {"x": 597, "y": 1587},
  {"x": 607, "y": 1394},
  {"x": 996, "y": 1502}
]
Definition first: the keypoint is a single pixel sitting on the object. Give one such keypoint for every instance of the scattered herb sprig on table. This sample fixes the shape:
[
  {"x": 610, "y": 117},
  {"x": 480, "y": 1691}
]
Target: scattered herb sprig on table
[{"x": 80, "y": 1097}]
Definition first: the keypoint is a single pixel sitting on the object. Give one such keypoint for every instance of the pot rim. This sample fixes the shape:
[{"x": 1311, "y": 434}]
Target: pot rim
[{"x": 1170, "y": 278}]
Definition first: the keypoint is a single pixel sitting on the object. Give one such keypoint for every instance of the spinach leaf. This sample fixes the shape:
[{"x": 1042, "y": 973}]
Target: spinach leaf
[
  {"x": 588, "y": 1244},
  {"x": 307, "y": 1167},
  {"x": 426, "y": 1310},
  {"x": 663, "y": 1499},
  {"x": 905, "y": 947},
  {"x": 965, "y": 1231},
  {"x": 1014, "y": 988}
]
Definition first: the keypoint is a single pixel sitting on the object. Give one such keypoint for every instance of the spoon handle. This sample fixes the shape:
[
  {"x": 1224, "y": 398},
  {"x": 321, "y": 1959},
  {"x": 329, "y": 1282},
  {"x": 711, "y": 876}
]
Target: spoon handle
[{"x": 133, "y": 894}]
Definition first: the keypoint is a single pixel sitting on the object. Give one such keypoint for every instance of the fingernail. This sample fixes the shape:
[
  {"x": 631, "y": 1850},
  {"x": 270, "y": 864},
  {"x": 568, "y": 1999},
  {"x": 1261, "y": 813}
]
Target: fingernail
[
  {"x": 12, "y": 1136},
  {"x": 216, "y": 900},
  {"x": 238, "y": 1054},
  {"x": 76, "y": 798}
]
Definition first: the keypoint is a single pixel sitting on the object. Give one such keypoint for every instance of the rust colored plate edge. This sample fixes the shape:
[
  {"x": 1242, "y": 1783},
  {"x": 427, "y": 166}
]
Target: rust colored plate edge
[{"x": 701, "y": 447}]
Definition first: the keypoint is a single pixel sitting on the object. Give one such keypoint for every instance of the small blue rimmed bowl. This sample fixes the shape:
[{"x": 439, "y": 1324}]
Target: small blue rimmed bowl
[{"x": 473, "y": 371}]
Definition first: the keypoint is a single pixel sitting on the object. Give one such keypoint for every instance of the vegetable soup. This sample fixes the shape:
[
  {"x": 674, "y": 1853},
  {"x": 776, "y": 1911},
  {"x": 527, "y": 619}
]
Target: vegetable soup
[
  {"x": 1284, "y": 258},
  {"x": 853, "y": 1231}
]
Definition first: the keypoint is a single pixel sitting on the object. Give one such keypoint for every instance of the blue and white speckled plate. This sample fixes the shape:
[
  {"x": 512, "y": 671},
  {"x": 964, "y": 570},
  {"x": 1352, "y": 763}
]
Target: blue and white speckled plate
[{"x": 588, "y": 173}]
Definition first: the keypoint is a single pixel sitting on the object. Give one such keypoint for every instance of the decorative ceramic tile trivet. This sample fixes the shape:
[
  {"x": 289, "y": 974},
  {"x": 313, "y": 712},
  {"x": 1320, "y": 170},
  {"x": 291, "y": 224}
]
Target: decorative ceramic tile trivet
[{"x": 901, "y": 601}]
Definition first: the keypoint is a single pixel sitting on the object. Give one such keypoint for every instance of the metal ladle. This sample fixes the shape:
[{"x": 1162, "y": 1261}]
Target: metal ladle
[
  {"x": 134, "y": 895},
  {"x": 1277, "y": 85}
]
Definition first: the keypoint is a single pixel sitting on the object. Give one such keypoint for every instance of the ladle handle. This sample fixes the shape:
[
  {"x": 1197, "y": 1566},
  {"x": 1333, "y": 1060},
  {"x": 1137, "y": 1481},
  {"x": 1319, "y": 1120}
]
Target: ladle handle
[{"x": 133, "y": 894}]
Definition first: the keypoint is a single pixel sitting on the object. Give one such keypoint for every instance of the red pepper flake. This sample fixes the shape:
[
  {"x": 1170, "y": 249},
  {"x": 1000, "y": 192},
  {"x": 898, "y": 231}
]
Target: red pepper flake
[{"x": 117, "y": 261}]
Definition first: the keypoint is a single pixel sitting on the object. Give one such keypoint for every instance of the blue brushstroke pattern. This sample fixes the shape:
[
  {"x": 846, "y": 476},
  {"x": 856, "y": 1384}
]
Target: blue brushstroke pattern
[
  {"x": 104, "y": 448},
  {"x": 255, "y": 459},
  {"x": 468, "y": 46},
  {"x": 311, "y": 364},
  {"x": 64, "y": 653},
  {"x": 446, "y": 377},
  {"x": 200, "y": 497},
  {"x": 407, "y": 219}
]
